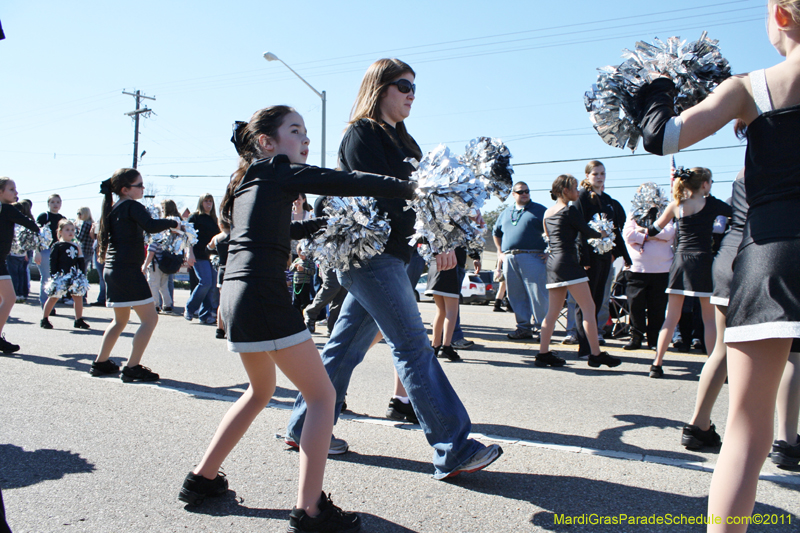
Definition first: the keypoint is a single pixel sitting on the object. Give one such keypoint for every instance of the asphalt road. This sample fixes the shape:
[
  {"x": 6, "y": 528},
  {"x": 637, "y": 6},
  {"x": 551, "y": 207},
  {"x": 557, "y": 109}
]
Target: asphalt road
[{"x": 93, "y": 454}]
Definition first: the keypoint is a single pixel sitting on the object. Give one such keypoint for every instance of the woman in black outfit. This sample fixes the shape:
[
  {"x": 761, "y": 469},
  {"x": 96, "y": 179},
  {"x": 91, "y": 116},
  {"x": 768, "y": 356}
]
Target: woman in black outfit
[
  {"x": 591, "y": 201},
  {"x": 203, "y": 298},
  {"x": 121, "y": 243},
  {"x": 51, "y": 219}
]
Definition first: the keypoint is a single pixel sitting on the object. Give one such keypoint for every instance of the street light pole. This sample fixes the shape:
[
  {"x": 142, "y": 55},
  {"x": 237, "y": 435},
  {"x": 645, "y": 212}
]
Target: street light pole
[{"x": 272, "y": 57}]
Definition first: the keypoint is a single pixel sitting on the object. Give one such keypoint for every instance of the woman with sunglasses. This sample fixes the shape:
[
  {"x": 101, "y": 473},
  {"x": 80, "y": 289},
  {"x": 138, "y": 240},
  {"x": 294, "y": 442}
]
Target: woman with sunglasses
[
  {"x": 121, "y": 243},
  {"x": 380, "y": 298}
]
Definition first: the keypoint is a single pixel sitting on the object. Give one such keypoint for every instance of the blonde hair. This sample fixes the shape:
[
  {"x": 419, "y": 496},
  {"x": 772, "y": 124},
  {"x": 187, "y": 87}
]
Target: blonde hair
[
  {"x": 85, "y": 211},
  {"x": 688, "y": 181},
  {"x": 792, "y": 6},
  {"x": 62, "y": 224}
]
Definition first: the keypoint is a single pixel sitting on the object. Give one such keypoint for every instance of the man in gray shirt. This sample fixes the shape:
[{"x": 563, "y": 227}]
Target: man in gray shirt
[{"x": 520, "y": 244}]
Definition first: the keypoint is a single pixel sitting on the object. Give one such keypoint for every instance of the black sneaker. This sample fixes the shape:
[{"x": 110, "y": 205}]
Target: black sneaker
[
  {"x": 330, "y": 519},
  {"x": 138, "y": 373},
  {"x": 547, "y": 358},
  {"x": 694, "y": 438},
  {"x": 196, "y": 488},
  {"x": 220, "y": 333},
  {"x": 634, "y": 344},
  {"x": 45, "y": 324},
  {"x": 53, "y": 312},
  {"x": 167, "y": 309},
  {"x": 656, "y": 371},
  {"x": 7, "y": 347},
  {"x": 520, "y": 334},
  {"x": 81, "y": 324},
  {"x": 448, "y": 352},
  {"x": 106, "y": 367},
  {"x": 401, "y": 411},
  {"x": 603, "y": 359},
  {"x": 786, "y": 456}
]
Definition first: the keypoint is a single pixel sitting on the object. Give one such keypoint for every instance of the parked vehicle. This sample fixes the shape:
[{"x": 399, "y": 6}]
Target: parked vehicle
[
  {"x": 487, "y": 276},
  {"x": 473, "y": 289}
]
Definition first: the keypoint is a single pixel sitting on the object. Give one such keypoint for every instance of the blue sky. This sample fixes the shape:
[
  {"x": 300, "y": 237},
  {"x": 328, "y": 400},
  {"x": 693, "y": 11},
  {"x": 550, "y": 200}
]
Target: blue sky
[{"x": 515, "y": 70}]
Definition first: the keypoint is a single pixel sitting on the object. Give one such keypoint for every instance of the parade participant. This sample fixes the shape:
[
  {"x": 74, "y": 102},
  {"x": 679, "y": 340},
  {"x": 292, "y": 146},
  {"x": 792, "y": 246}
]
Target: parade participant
[
  {"x": 9, "y": 216},
  {"x": 219, "y": 245},
  {"x": 51, "y": 218},
  {"x": 518, "y": 237},
  {"x": 690, "y": 273},
  {"x": 121, "y": 245},
  {"x": 262, "y": 325},
  {"x": 764, "y": 310},
  {"x": 17, "y": 261},
  {"x": 203, "y": 299},
  {"x": 65, "y": 257},
  {"x": 563, "y": 223},
  {"x": 380, "y": 296},
  {"x": 593, "y": 200}
]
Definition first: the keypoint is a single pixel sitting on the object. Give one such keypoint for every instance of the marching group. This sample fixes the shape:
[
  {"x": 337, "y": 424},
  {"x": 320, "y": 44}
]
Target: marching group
[{"x": 667, "y": 251}]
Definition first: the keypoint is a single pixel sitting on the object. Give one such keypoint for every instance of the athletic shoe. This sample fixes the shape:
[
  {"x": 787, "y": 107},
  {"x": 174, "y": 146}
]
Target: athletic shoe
[
  {"x": 694, "y": 438},
  {"x": 656, "y": 371},
  {"x": 167, "y": 310},
  {"x": 20, "y": 300},
  {"x": 187, "y": 316},
  {"x": 337, "y": 447},
  {"x": 547, "y": 358},
  {"x": 401, "y": 411},
  {"x": 447, "y": 352},
  {"x": 331, "y": 519},
  {"x": 482, "y": 458},
  {"x": 158, "y": 310},
  {"x": 311, "y": 325},
  {"x": 570, "y": 339},
  {"x": 220, "y": 333},
  {"x": 81, "y": 324},
  {"x": 97, "y": 304},
  {"x": 520, "y": 333},
  {"x": 697, "y": 344},
  {"x": 462, "y": 344},
  {"x": 196, "y": 488},
  {"x": 138, "y": 373},
  {"x": 785, "y": 455},
  {"x": 106, "y": 367},
  {"x": 603, "y": 359},
  {"x": 634, "y": 344},
  {"x": 7, "y": 347},
  {"x": 53, "y": 312},
  {"x": 45, "y": 324}
]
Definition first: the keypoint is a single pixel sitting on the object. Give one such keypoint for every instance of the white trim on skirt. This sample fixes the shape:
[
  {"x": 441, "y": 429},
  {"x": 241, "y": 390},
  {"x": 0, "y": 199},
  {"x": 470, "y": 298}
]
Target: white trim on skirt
[
  {"x": 565, "y": 283},
  {"x": 760, "y": 332},
  {"x": 5, "y": 277},
  {"x": 270, "y": 345},
  {"x": 440, "y": 293},
  {"x": 689, "y": 293},
  {"x": 129, "y": 304},
  {"x": 717, "y": 300}
]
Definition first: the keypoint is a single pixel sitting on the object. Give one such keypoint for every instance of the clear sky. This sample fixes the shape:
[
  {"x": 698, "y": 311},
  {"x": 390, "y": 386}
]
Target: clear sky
[{"x": 514, "y": 70}]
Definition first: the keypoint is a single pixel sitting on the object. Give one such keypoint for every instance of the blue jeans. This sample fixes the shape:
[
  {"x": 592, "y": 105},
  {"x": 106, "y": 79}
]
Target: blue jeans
[
  {"x": 17, "y": 267},
  {"x": 201, "y": 300},
  {"x": 458, "y": 333},
  {"x": 101, "y": 296},
  {"x": 44, "y": 275},
  {"x": 526, "y": 277},
  {"x": 380, "y": 297}
]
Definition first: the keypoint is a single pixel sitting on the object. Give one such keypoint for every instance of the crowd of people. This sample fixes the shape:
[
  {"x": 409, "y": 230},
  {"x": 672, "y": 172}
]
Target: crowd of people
[{"x": 749, "y": 307}]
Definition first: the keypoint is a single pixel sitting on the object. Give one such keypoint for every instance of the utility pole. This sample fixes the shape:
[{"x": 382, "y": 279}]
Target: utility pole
[{"x": 135, "y": 114}]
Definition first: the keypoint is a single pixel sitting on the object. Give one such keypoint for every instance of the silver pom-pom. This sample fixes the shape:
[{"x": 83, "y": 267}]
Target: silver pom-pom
[
  {"x": 490, "y": 161},
  {"x": 25, "y": 240},
  {"x": 154, "y": 211},
  {"x": 215, "y": 261},
  {"x": 546, "y": 238},
  {"x": 600, "y": 222},
  {"x": 445, "y": 202},
  {"x": 47, "y": 237},
  {"x": 72, "y": 283},
  {"x": 647, "y": 197},
  {"x": 176, "y": 243},
  {"x": 355, "y": 231},
  {"x": 696, "y": 68}
]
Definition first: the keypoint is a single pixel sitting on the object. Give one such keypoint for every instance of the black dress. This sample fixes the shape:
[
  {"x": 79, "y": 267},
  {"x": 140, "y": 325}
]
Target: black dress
[
  {"x": 563, "y": 266},
  {"x": 9, "y": 216},
  {"x": 64, "y": 256},
  {"x": 257, "y": 307},
  {"x": 690, "y": 273},
  {"x": 126, "y": 286},
  {"x": 723, "y": 262},
  {"x": 222, "y": 252},
  {"x": 445, "y": 282}
]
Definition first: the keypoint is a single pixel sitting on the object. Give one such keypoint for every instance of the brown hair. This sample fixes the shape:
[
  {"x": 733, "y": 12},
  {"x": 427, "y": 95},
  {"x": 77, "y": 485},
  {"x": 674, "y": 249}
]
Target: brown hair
[
  {"x": 263, "y": 122},
  {"x": 374, "y": 85},
  {"x": 3, "y": 182},
  {"x": 23, "y": 206},
  {"x": 122, "y": 178},
  {"x": 586, "y": 184},
  {"x": 200, "y": 211},
  {"x": 61, "y": 224},
  {"x": 169, "y": 209},
  {"x": 562, "y": 183},
  {"x": 688, "y": 181}
]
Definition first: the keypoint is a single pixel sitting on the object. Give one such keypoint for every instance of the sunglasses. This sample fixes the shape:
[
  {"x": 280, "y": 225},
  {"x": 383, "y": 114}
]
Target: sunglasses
[
  {"x": 405, "y": 86},
  {"x": 523, "y": 191},
  {"x": 140, "y": 185}
]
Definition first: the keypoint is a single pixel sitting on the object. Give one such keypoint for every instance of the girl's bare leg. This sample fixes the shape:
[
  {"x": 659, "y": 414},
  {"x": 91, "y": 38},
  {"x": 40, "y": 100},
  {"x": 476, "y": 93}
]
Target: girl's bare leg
[
  {"x": 7, "y": 300},
  {"x": 712, "y": 378},
  {"x": 788, "y": 403},
  {"x": 113, "y": 331},
  {"x": 78, "y": 306},
  {"x": 149, "y": 318},
  {"x": 754, "y": 374},
  {"x": 438, "y": 319},
  {"x": 450, "y": 317},
  {"x": 556, "y": 303},
  {"x": 668, "y": 328},
  {"x": 709, "y": 326},
  {"x": 583, "y": 297},
  {"x": 48, "y": 306}
]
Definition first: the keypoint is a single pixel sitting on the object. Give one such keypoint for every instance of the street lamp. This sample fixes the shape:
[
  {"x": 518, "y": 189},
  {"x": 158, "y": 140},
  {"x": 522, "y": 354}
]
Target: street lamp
[{"x": 272, "y": 57}]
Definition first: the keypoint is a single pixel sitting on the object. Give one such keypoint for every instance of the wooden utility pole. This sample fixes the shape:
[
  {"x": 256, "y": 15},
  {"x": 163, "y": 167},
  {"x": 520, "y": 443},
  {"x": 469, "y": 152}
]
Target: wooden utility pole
[{"x": 135, "y": 114}]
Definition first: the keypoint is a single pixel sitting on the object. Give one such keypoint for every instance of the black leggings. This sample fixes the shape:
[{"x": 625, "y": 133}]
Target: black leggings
[
  {"x": 599, "y": 269},
  {"x": 647, "y": 304}
]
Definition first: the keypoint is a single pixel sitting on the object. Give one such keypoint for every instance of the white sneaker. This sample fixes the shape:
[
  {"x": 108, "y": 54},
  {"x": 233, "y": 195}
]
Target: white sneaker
[{"x": 570, "y": 339}]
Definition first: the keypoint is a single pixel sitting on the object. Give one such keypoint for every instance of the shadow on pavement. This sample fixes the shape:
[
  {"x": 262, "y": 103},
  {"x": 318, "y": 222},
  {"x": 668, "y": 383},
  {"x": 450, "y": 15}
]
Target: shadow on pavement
[{"x": 22, "y": 468}]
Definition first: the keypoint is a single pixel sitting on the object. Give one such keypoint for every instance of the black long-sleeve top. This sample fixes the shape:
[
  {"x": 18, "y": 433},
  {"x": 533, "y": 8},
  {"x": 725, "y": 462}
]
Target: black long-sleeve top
[
  {"x": 206, "y": 229},
  {"x": 262, "y": 228},
  {"x": 694, "y": 232},
  {"x": 52, "y": 219},
  {"x": 563, "y": 229},
  {"x": 10, "y": 215},
  {"x": 614, "y": 211},
  {"x": 128, "y": 221},
  {"x": 64, "y": 256},
  {"x": 369, "y": 147}
]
